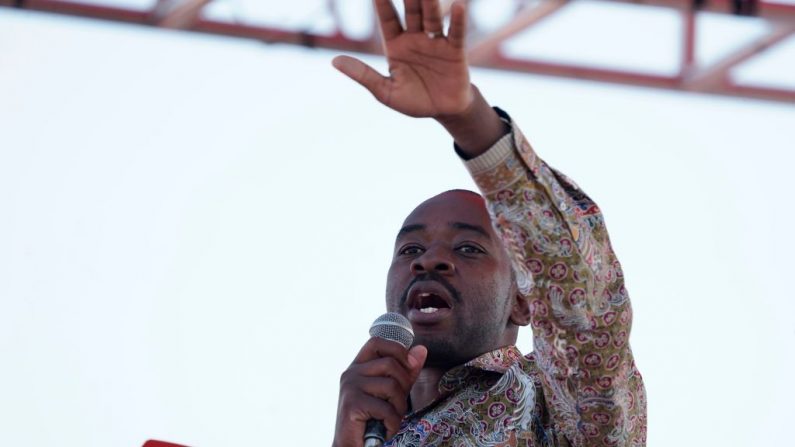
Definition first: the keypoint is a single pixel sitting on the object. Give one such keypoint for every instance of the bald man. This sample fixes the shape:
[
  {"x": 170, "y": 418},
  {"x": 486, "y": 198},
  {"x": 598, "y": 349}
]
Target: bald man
[{"x": 469, "y": 270}]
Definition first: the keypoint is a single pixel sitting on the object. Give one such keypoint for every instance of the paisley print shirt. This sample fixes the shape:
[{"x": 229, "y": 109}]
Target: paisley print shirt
[{"x": 580, "y": 386}]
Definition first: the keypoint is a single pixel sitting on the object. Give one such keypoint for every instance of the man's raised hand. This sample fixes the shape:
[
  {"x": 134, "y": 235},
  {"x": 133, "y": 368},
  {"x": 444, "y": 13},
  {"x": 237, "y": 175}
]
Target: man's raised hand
[{"x": 428, "y": 71}]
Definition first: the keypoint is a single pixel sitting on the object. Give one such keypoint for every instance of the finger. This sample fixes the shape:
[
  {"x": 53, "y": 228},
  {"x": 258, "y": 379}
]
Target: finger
[
  {"x": 388, "y": 18},
  {"x": 354, "y": 410},
  {"x": 375, "y": 408},
  {"x": 431, "y": 16},
  {"x": 416, "y": 359},
  {"x": 376, "y": 348},
  {"x": 363, "y": 74},
  {"x": 383, "y": 367},
  {"x": 456, "y": 34},
  {"x": 387, "y": 389},
  {"x": 413, "y": 16}
]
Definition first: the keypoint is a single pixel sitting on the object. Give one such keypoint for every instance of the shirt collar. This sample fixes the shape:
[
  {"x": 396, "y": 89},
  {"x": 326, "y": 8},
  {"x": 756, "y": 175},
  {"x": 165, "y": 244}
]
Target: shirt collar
[{"x": 497, "y": 361}]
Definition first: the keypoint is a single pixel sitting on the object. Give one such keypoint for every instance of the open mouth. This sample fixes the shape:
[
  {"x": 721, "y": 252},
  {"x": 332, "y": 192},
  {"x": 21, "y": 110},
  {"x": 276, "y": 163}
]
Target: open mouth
[{"x": 429, "y": 302}]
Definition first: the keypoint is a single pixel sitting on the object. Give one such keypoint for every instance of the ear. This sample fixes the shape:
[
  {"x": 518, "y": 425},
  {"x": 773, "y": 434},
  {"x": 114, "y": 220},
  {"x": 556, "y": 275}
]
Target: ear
[{"x": 520, "y": 310}]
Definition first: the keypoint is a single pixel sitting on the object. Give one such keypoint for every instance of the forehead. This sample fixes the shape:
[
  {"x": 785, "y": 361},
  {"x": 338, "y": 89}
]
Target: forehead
[{"x": 451, "y": 206}]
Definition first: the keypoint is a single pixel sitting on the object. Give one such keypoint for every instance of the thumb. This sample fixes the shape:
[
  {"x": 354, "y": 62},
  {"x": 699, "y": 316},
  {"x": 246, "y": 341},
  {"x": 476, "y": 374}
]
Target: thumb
[
  {"x": 417, "y": 356},
  {"x": 363, "y": 74}
]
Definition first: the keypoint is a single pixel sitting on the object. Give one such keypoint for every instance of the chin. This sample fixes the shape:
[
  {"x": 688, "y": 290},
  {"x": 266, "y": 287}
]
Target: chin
[{"x": 442, "y": 353}]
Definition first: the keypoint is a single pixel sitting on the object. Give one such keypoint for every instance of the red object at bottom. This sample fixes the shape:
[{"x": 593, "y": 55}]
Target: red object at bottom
[{"x": 153, "y": 443}]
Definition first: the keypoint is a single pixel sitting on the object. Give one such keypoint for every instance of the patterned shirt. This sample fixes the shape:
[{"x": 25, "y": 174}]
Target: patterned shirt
[{"x": 580, "y": 386}]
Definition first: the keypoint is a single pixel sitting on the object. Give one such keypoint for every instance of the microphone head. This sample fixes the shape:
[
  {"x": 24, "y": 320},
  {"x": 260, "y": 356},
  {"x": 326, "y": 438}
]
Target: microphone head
[{"x": 395, "y": 327}]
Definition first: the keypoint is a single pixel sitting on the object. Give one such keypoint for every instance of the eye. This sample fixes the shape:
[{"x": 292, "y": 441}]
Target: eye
[
  {"x": 411, "y": 250},
  {"x": 469, "y": 249}
]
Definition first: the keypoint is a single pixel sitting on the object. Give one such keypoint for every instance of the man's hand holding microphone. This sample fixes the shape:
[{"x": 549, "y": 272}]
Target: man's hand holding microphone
[{"x": 374, "y": 390}]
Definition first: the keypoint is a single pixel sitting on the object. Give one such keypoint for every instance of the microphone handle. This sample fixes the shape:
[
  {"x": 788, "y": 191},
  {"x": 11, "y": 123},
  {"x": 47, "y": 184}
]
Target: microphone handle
[{"x": 374, "y": 433}]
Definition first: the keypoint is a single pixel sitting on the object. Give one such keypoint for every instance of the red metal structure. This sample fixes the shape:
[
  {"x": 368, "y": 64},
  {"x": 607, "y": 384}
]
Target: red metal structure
[{"x": 486, "y": 48}]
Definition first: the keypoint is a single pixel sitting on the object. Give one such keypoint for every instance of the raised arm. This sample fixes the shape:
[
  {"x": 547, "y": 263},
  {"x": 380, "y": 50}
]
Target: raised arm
[{"x": 580, "y": 310}]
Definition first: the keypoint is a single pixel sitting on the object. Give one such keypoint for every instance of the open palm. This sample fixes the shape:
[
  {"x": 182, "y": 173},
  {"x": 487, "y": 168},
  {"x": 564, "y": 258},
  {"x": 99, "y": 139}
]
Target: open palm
[{"x": 428, "y": 71}]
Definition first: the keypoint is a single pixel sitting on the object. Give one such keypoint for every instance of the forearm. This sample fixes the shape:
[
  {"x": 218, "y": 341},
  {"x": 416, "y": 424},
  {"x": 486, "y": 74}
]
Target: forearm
[{"x": 477, "y": 128}]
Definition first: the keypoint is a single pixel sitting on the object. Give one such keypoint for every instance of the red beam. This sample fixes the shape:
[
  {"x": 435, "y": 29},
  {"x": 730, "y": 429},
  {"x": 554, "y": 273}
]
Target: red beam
[
  {"x": 717, "y": 76},
  {"x": 688, "y": 42},
  {"x": 765, "y": 10},
  {"x": 336, "y": 41},
  {"x": 768, "y": 93},
  {"x": 785, "y": 14},
  {"x": 581, "y": 72},
  {"x": 177, "y": 14},
  {"x": 640, "y": 79},
  {"x": 266, "y": 34},
  {"x": 488, "y": 48},
  {"x": 92, "y": 11}
]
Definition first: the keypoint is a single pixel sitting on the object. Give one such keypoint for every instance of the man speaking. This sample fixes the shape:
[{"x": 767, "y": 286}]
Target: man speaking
[{"x": 468, "y": 270}]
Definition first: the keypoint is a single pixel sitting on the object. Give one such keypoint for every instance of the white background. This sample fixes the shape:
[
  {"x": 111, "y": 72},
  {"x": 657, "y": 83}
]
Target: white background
[{"x": 195, "y": 231}]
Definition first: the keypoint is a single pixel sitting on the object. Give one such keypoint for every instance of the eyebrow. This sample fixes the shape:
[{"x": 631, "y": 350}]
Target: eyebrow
[
  {"x": 459, "y": 225},
  {"x": 408, "y": 229},
  {"x": 471, "y": 227}
]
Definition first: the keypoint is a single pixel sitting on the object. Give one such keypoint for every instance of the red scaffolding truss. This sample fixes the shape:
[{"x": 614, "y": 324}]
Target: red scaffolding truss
[{"x": 486, "y": 49}]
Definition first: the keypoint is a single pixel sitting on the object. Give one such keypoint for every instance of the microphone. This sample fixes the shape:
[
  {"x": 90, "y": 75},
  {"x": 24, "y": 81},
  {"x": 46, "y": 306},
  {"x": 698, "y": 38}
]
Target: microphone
[{"x": 394, "y": 327}]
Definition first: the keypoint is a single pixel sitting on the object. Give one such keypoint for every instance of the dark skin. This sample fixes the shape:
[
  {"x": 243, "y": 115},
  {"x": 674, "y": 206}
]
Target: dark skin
[
  {"x": 450, "y": 248},
  {"x": 447, "y": 258},
  {"x": 453, "y": 250},
  {"x": 429, "y": 78}
]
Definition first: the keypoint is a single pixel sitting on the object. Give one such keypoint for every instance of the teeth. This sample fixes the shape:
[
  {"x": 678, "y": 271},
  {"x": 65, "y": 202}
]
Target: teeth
[
  {"x": 428, "y": 310},
  {"x": 425, "y": 295}
]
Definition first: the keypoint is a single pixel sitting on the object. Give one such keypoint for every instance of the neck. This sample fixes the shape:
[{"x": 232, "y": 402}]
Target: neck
[{"x": 426, "y": 388}]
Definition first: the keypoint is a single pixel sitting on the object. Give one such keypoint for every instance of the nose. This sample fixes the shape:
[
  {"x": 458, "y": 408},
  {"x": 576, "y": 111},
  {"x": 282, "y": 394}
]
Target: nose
[{"x": 433, "y": 260}]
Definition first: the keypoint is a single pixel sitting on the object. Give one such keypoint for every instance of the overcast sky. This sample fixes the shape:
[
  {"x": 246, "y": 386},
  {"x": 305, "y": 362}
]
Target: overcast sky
[{"x": 196, "y": 230}]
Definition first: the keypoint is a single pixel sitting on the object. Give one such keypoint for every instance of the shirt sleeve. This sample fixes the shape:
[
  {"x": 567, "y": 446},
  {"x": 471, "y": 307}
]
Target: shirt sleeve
[{"x": 580, "y": 309}]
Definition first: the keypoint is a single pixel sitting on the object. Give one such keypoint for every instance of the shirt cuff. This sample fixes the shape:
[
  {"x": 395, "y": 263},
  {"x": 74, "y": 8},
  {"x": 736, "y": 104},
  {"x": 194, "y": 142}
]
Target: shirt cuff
[
  {"x": 496, "y": 154},
  {"x": 493, "y": 157}
]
